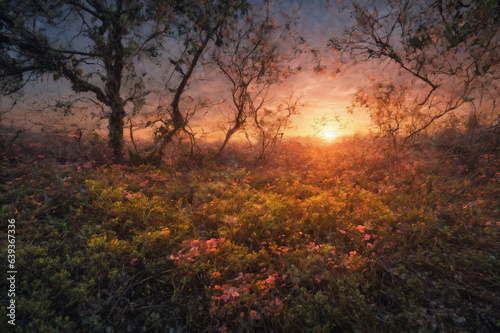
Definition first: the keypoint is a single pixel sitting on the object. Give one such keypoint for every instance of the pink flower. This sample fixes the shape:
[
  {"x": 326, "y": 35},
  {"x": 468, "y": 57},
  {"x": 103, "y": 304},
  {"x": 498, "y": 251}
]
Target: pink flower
[
  {"x": 211, "y": 241},
  {"x": 352, "y": 253},
  {"x": 193, "y": 252},
  {"x": 128, "y": 196},
  {"x": 270, "y": 280},
  {"x": 254, "y": 315},
  {"x": 361, "y": 228},
  {"x": 342, "y": 231},
  {"x": 231, "y": 293},
  {"x": 367, "y": 237},
  {"x": 195, "y": 243}
]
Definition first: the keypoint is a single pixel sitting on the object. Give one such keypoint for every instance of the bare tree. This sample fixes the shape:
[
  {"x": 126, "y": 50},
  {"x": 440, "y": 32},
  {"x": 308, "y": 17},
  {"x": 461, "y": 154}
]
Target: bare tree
[
  {"x": 449, "y": 52},
  {"x": 268, "y": 126},
  {"x": 254, "y": 57}
]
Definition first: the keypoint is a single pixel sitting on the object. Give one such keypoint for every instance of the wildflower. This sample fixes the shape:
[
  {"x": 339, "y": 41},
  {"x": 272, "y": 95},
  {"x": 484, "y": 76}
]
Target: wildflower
[
  {"x": 367, "y": 237},
  {"x": 270, "y": 280},
  {"x": 211, "y": 241},
  {"x": 231, "y": 293},
  {"x": 254, "y": 316},
  {"x": 361, "y": 228},
  {"x": 195, "y": 243}
]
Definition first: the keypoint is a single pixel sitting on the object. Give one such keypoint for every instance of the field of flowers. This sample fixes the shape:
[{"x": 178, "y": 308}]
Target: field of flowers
[{"x": 324, "y": 238}]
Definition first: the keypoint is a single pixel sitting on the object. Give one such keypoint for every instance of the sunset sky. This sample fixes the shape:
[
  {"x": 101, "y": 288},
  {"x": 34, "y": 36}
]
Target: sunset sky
[
  {"x": 324, "y": 94},
  {"x": 320, "y": 95}
]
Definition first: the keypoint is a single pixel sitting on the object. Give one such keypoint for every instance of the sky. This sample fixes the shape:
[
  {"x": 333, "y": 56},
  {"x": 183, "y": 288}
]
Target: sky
[
  {"x": 320, "y": 95},
  {"x": 325, "y": 94}
]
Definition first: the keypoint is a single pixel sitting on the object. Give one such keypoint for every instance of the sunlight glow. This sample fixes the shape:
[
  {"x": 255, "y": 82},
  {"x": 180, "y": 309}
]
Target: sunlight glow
[{"x": 329, "y": 134}]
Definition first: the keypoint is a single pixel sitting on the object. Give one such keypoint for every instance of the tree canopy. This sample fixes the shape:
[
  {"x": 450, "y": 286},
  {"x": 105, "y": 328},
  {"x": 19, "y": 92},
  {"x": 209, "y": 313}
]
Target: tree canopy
[
  {"x": 97, "y": 44},
  {"x": 447, "y": 52}
]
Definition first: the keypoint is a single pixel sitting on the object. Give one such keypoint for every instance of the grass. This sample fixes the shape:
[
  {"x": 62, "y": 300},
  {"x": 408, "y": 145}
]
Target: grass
[{"x": 319, "y": 240}]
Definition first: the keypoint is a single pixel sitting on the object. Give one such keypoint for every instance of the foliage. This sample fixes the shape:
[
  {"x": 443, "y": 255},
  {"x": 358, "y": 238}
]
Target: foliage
[
  {"x": 97, "y": 58},
  {"x": 446, "y": 54},
  {"x": 122, "y": 57},
  {"x": 326, "y": 238},
  {"x": 105, "y": 49}
]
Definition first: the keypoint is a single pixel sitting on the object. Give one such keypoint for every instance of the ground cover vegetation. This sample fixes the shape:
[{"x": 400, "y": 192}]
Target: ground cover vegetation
[{"x": 323, "y": 237}]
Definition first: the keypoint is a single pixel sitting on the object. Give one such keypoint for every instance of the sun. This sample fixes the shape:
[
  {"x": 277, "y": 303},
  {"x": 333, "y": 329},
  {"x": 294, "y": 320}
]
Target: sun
[{"x": 329, "y": 134}]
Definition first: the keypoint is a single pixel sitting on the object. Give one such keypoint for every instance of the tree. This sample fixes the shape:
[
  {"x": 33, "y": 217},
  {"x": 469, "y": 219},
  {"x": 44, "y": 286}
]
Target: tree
[
  {"x": 268, "y": 126},
  {"x": 448, "y": 51},
  {"x": 390, "y": 111},
  {"x": 253, "y": 58},
  {"x": 210, "y": 25},
  {"x": 97, "y": 44}
]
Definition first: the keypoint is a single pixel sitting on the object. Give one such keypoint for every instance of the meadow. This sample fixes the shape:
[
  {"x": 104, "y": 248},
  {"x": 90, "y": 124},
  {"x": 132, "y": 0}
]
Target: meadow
[{"x": 321, "y": 237}]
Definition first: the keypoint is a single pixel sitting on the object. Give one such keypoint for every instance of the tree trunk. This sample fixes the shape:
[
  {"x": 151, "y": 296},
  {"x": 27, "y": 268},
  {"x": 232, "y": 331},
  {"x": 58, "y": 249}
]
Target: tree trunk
[
  {"x": 229, "y": 134},
  {"x": 115, "y": 135}
]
